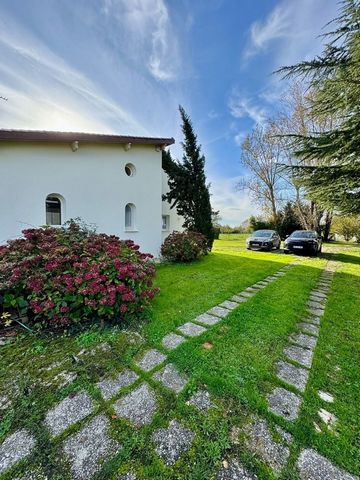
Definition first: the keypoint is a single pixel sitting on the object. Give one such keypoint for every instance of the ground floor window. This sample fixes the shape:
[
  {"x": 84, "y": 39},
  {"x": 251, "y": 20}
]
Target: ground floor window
[
  {"x": 165, "y": 222},
  {"x": 53, "y": 210},
  {"x": 130, "y": 210}
]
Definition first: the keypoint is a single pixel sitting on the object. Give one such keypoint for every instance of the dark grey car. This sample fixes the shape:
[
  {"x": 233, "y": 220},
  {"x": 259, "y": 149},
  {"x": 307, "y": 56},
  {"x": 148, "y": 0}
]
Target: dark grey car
[
  {"x": 303, "y": 241},
  {"x": 263, "y": 240}
]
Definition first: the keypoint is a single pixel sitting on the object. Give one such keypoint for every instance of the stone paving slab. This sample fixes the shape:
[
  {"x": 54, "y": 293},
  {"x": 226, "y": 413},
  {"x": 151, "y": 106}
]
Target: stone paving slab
[
  {"x": 316, "y": 312},
  {"x": 295, "y": 376},
  {"x": 201, "y": 400},
  {"x": 138, "y": 406},
  {"x": 313, "y": 466},
  {"x": 327, "y": 397},
  {"x": 150, "y": 360},
  {"x": 191, "y": 329},
  {"x": 171, "y": 378},
  {"x": 260, "y": 441},
  {"x": 316, "y": 304},
  {"x": 172, "y": 340},
  {"x": 68, "y": 412},
  {"x": 233, "y": 470},
  {"x": 218, "y": 311},
  {"x": 318, "y": 294},
  {"x": 304, "y": 340},
  {"x": 299, "y": 355},
  {"x": 238, "y": 299},
  {"x": 247, "y": 294},
  {"x": 111, "y": 386},
  {"x": 207, "y": 319},
  {"x": 89, "y": 447},
  {"x": 229, "y": 305},
  {"x": 172, "y": 442},
  {"x": 309, "y": 328},
  {"x": 251, "y": 289},
  {"x": 284, "y": 403},
  {"x": 313, "y": 320},
  {"x": 127, "y": 476},
  {"x": 16, "y": 447},
  {"x": 318, "y": 300}
]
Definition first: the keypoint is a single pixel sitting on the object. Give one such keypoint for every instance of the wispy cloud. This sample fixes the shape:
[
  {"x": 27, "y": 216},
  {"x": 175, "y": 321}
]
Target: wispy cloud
[
  {"x": 241, "y": 106},
  {"x": 262, "y": 33},
  {"x": 144, "y": 20},
  {"x": 290, "y": 31}
]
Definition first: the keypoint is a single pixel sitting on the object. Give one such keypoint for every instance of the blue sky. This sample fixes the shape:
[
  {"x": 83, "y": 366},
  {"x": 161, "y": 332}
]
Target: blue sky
[{"x": 124, "y": 66}]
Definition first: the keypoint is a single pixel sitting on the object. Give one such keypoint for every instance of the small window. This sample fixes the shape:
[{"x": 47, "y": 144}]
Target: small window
[
  {"x": 130, "y": 216},
  {"x": 165, "y": 222},
  {"x": 130, "y": 170},
  {"x": 53, "y": 210}
]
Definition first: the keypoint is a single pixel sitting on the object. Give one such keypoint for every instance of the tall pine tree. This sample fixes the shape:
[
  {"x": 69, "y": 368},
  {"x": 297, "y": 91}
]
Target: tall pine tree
[
  {"x": 329, "y": 165},
  {"x": 188, "y": 191}
]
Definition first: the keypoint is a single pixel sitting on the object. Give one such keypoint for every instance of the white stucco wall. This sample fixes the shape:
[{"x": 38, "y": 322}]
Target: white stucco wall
[
  {"x": 92, "y": 182},
  {"x": 175, "y": 221}
]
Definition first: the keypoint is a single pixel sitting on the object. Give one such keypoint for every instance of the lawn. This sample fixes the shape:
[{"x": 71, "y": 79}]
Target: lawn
[{"x": 237, "y": 367}]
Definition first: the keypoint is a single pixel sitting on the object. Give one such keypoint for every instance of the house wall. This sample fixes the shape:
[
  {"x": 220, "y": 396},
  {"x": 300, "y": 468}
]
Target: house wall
[
  {"x": 175, "y": 221},
  {"x": 92, "y": 182}
]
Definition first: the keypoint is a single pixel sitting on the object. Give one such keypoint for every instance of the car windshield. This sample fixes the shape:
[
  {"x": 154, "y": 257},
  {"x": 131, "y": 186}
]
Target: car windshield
[
  {"x": 262, "y": 233},
  {"x": 303, "y": 234}
]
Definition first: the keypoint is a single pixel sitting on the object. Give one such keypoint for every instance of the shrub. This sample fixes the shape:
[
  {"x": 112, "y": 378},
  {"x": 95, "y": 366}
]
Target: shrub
[
  {"x": 58, "y": 276},
  {"x": 184, "y": 246}
]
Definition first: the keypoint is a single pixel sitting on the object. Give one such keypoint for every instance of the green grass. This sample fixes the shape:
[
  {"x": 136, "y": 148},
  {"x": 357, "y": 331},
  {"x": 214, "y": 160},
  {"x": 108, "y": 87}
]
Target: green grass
[{"x": 238, "y": 371}]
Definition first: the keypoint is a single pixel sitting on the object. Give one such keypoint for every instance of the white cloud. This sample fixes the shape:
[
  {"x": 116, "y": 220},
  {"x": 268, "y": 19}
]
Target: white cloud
[
  {"x": 241, "y": 107},
  {"x": 275, "y": 26},
  {"x": 235, "y": 207},
  {"x": 291, "y": 29},
  {"x": 148, "y": 26}
]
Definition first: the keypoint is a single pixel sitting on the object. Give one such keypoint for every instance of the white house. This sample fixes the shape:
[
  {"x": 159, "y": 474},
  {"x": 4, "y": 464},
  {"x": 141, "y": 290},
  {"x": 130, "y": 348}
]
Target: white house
[{"x": 113, "y": 181}]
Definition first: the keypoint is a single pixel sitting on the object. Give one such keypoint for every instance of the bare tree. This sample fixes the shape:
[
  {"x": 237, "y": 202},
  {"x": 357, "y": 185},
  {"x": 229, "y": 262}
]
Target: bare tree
[
  {"x": 261, "y": 154},
  {"x": 295, "y": 119}
]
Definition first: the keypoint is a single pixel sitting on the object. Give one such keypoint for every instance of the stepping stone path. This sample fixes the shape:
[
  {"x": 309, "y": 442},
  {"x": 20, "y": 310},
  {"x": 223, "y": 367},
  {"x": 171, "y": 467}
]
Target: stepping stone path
[
  {"x": 233, "y": 470},
  {"x": 284, "y": 403},
  {"x": 201, "y": 400},
  {"x": 89, "y": 447},
  {"x": 191, "y": 329},
  {"x": 207, "y": 319},
  {"x": 150, "y": 360},
  {"x": 68, "y": 412},
  {"x": 281, "y": 401},
  {"x": 171, "y": 378},
  {"x": 219, "y": 311},
  {"x": 300, "y": 355},
  {"x": 172, "y": 340},
  {"x": 138, "y": 406},
  {"x": 110, "y": 387},
  {"x": 16, "y": 447},
  {"x": 172, "y": 442},
  {"x": 260, "y": 441},
  {"x": 313, "y": 466},
  {"x": 295, "y": 376}
]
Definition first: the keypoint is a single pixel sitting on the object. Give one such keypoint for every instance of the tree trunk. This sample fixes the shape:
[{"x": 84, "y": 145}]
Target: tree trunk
[{"x": 327, "y": 226}]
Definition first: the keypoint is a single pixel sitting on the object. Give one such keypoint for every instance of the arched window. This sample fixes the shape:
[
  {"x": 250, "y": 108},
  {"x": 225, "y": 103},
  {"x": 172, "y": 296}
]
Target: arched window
[
  {"x": 130, "y": 216},
  {"x": 53, "y": 210}
]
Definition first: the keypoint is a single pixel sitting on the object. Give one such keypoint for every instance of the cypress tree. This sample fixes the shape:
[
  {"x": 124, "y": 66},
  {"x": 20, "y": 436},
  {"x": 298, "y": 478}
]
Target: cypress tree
[
  {"x": 188, "y": 190},
  {"x": 329, "y": 166}
]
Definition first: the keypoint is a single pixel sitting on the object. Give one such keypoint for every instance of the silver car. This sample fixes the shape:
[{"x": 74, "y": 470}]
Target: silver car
[{"x": 263, "y": 240}]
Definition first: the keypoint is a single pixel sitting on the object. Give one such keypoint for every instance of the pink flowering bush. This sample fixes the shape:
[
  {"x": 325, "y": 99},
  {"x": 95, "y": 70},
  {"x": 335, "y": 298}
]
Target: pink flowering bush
[
  {"x": 184, "y": 246},
  {"x": 58, "y": 276}
]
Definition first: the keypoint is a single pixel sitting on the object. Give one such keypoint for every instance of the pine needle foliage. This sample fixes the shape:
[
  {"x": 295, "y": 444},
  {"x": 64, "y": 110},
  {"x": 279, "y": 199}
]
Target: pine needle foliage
[{"x": 329, "y": 166}]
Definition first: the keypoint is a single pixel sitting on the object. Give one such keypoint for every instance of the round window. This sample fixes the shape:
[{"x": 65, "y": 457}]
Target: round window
[{"x": 130, "y": 170}]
